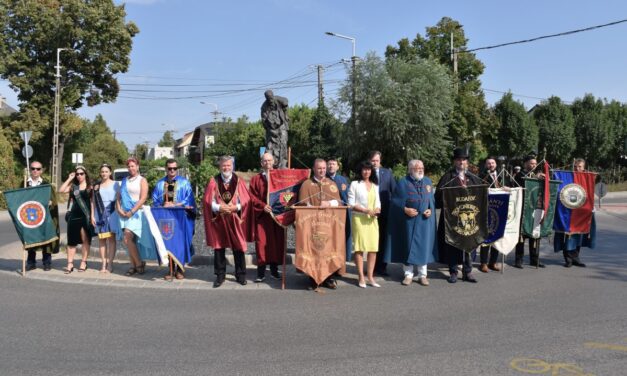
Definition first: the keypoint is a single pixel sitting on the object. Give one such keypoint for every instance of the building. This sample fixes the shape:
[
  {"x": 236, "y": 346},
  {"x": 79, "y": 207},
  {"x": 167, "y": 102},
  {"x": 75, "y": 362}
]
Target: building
[
  {"x": 202, "y": 139},
  {"x": 5, "y": 109},
  {"x": 181, "y": 148},
  {"x": 159, "y": 152}
]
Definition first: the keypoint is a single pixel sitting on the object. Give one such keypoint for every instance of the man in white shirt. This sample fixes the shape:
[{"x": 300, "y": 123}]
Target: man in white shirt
[{"x": 34, "y": 180}]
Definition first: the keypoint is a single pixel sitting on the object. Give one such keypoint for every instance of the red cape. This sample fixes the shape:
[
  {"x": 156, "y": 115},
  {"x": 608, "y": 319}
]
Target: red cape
[
  {"x": 269, "y": 236},
  {"x": 231, "y": 230}
]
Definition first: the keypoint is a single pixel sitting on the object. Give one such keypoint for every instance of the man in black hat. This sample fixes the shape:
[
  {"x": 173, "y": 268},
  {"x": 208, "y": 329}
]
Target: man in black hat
[
  {"x": 529, "y": 171},
  {"x": 458, "y": 176}
]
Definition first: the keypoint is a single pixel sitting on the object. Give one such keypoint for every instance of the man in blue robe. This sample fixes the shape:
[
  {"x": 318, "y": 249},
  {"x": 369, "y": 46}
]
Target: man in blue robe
[
  {"x": 343, "y": 185},
  {"x": 411, "y": 227},
  {"x": 174, "y": 191}
]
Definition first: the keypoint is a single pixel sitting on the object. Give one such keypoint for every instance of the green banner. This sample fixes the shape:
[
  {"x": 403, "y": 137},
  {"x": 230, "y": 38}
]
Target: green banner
[
  {"x": 29, "y": 209},
  {"x": 535, "y": 224}
]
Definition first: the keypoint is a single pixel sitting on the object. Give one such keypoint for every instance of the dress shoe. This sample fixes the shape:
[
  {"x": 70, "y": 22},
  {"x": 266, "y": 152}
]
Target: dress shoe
[
  {"x": 483, "y": 268},
  {"x": 47, "y": 267},
  {"x": 494, "y": 267},
  {"x": 452, "y": 278},
  {"x": 30, "y": 267},
  {"x": 362, "y": 285},
  {"x": 259, "y": 279},
  {"x": 539, "y": 264},
  {"x": 218, "y": 282},
  {"x": 423, "y": 281},
  {"x": 579, "y": 264},
  {"x": 275, "y": 274},
  {"x": 518, "y": 265},
  {"x": 568, "y": 264},
  {"x": 242, "y": 281},
  {"x": 329, "y": 283},
  {"x": 374, "y": 284},
  {"x": 469, "y": 278},
  {"x": 407, "y": 280},
  {"x": 179, "y": 275}
]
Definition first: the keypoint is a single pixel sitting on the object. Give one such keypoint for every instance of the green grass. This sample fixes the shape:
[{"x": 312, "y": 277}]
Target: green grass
[{"x": 617, "y": 187}]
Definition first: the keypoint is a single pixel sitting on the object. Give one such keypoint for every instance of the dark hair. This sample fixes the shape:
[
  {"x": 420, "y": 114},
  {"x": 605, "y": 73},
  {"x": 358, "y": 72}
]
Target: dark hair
[
  {"x": 87, "y": 179},
  {"x": 107, "y": 166},
  {"x": 373, "y": 153},
  {"x": 491, "y": 157},
  {"x": 365, "y": 165},
  {"x": 169, "y": 161}
]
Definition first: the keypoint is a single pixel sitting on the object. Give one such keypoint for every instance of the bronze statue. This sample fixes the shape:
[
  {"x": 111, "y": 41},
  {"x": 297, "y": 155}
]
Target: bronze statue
[{"x": 275, "y": 121}]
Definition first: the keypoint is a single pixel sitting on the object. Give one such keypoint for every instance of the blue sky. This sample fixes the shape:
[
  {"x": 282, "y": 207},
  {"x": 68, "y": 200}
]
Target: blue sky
[{"x": 227, "y": 45}]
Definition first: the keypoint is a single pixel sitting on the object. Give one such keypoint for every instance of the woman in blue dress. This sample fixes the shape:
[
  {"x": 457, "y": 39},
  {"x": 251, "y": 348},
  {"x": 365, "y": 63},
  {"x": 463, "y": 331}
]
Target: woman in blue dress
[{"x": 104, "y": 217}]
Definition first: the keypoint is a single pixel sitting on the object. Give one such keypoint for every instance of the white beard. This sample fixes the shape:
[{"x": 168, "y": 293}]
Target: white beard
[
  {"x": 418, "y": 175},
  {"x": 227, "y": 176}
]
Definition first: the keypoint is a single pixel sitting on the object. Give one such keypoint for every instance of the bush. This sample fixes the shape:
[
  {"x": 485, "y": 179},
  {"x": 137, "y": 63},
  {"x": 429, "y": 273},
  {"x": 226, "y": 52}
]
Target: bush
[{"x": 7, "y": 166}]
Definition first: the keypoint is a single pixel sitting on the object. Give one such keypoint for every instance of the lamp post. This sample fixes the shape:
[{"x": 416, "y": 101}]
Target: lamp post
[
  {"x": 55, "y": 171},
  {"x": 215, "y": 111},
  {"x": 353, "y": 68}
]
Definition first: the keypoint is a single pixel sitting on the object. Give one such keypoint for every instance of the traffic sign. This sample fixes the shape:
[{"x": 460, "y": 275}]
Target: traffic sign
[{"x": 27, "y": 151}]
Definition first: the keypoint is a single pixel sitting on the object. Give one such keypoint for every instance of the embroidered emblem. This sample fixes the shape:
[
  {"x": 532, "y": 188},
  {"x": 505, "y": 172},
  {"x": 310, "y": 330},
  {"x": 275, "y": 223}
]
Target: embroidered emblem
[
  {"x": 573, "y": 196},
  {"x": 31, "y": 214},
  {"x": 466, "y": 219},
  {"x": 166, "y": 227}
]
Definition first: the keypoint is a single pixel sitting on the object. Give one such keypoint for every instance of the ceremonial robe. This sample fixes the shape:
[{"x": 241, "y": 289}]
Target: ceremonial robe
[
  {"x": 411, "y": 241},
  {"x": 269, "y": 236},
  {"x": 228, "y": 230}
]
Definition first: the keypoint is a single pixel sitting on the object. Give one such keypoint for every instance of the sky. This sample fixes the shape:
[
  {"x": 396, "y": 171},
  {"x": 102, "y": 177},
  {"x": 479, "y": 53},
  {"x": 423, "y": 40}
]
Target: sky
[{"x": 227, "y": 53}]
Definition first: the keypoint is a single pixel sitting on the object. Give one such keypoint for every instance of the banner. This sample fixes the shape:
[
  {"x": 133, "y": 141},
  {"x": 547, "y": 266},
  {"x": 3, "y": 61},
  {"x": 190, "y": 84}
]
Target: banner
[
  {"x": 320, "y": 240},
  {"x": 283, "y": 187},
  {"x": 536, "y": 223},
  {"x": 176, "y": 226},
  {"x": 575, "y": 202},
  {"x": 150, "y": 244},
  {"x": 511, "y": 234},
  {"x": 31, "y": 216},
  {"x": 465, "y": 216},
  {"x": 498, "y": 204}
]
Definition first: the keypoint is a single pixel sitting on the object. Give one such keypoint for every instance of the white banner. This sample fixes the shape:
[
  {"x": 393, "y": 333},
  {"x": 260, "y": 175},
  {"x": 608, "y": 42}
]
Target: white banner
[{"x": 508, "y": 242}]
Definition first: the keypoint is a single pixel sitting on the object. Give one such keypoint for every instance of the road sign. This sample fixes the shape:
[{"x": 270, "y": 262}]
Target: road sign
[
  {"x": 27, "y": 151},
  {"x": 26, "y": 135},
  {"x": 600, "y": 189},
  {"x": 77, "y": 158}
]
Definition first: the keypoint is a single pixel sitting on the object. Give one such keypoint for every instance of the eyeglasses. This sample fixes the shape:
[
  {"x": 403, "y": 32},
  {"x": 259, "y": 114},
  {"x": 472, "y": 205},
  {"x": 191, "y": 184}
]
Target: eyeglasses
[
  {"x": 80, "y": 173},
  {"x": 172, "y": 168},
  {"x": 35, "y": 168}
]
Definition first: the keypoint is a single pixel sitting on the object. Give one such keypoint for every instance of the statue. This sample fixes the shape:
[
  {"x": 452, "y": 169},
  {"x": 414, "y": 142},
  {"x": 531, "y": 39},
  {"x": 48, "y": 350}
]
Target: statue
[{"x": 275, "y": 122}]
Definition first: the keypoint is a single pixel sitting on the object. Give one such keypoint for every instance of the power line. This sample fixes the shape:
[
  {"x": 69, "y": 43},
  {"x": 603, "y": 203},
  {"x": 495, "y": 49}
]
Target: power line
[{"x": 545, "y": 36}]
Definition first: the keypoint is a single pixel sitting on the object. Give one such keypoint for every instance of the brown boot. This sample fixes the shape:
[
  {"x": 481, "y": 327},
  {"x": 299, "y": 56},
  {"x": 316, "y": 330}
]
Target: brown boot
[
  {"x": 483, "y": 268},
  {"x": 495, "y": 267}
]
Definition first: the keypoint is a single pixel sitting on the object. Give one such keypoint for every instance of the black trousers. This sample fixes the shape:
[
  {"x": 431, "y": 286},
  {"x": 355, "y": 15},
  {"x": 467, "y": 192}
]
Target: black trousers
[
  {"x": 571, "y": 256},
  {"x": 380, "y": 266},
  {"x": 483, "y": 256},
  {"x": 219, "y": 264},
  {"x": 46, "y": 258},
  {"x": 534, "y": 253},
  {"x": 466, "y": 264}
]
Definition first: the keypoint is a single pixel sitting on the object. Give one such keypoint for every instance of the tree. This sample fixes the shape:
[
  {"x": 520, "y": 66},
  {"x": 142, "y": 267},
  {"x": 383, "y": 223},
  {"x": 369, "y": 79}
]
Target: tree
[
  {"x": 593, "y": 131},
  {"x": 7, "y": 177},
  {"x": 616, "y": 113},
  {"x": 518, "y": 134},
  {"x": 98, "y": 42},
  {"x": 140, "y": 151},
  {"x": 167, "y": 139},
  {"x": 298, "y": 139},
  {"x": 401, "y": 108},
  {"x": 470, "y": 121},
  {"x": 556, "y": 127},
  {"x": 241, "y": 139}
]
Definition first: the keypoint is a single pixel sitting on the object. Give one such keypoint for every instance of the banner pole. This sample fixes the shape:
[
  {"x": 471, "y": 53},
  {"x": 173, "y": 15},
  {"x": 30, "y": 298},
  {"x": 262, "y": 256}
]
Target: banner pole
[
  {"x": 284, "y": 255},
  {"x": 171, "y": 271},
  {"x": 537, "y": 253},
  {"x": 24, "y": 262},
  {"x": 289, "y": 157},
  {"x": 502, "y": 263}
]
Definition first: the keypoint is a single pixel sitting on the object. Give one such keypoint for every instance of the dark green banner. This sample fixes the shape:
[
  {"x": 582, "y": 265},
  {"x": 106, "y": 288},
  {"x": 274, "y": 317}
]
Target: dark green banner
[
  {"x": 29, "y": 209},
  {"x": 465, "y": 216},
  {"x": 533, "y": 224}
]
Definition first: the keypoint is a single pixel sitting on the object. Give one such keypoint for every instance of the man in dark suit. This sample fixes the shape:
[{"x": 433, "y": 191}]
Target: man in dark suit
[
  {"x": 387, "y": 183},
  {"x": 458, "y": 176},
  {"x": 489, "y": 177}
]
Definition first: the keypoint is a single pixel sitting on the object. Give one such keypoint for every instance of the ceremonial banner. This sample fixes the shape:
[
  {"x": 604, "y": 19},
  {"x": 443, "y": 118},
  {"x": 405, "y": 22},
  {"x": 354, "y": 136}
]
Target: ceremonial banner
[
  {"x": 150, "y": 244},
  {"x": 465, "y": 216},
  {"x": 320, "y": 240},
  {"x": 31, "y": 216},
  {"x": 176, "y": 226},
  {"x": 283, "y": 187},
  {"x": 511, "y": 234},
  {"x": 575, "y": 201},
  {"x": 536, "y": 223},
  {"x": 498, "y": 204}
]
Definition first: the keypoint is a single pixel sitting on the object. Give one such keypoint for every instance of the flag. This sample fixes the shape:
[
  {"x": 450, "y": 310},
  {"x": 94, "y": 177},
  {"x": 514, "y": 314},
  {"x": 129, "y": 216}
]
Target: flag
[
  {"x": 31, "y": 216},
  {"x": 465, "y": 216},
  {"x": 176, "y": 226},
  {"x": 498, "y": 204},
  {"x": 573, "y": 212},
  {"x": 283, "y": 187},
  {"x": 150, "y": 244},
  {"x": 511, "y": 234},
  {"x": 538, "y": 223}
]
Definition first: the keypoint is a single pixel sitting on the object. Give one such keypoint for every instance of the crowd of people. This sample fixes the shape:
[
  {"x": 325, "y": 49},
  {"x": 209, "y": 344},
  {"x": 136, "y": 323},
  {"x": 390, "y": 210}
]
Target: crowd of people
[{"x": 388, "y": 221}]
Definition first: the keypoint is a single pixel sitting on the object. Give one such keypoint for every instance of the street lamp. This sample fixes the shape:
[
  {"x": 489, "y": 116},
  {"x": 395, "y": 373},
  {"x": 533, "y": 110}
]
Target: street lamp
[
  {"x": 215, "y": 112},
  {"x": 343, "y": 37},
  {"x": 354, "y": 78}
]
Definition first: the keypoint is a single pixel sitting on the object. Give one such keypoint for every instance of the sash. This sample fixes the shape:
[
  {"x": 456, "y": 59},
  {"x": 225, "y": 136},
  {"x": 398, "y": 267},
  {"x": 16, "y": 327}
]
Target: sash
[
  {"x": 80, "y": 202},
  {"x": 103, "y": 212},
  {"x": 227, "y": 194},
  {"x": 127, "y": 201}
]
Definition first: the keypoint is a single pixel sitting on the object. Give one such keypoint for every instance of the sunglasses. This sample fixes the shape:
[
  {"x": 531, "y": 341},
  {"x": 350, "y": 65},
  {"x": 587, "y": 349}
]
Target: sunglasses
[
  {"x": 80, "y": 173},
  {"x": 35, "y": 168},
  {"x": 172, "y": 168}
]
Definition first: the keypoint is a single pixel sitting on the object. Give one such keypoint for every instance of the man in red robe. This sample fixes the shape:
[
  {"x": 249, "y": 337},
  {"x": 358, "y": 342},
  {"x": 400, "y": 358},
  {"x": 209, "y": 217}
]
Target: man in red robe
[
  {"x": 269, "y": 236},
  {"x": 228, "y": 220}
]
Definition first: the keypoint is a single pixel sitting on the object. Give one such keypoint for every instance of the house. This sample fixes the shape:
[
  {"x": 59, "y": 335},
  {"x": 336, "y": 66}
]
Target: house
[
  {"x": 181, "y": 148},
  {"x": 202, "y": 138},
  {"x": 5, "y": 109},
  {"x": 159, "y": 152}
]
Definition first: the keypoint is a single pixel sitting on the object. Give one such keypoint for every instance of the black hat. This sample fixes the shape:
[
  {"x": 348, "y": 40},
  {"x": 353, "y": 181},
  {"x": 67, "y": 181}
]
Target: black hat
[
  {"x": 460, "y": 153},
  {"x": 529, "y": 157}
]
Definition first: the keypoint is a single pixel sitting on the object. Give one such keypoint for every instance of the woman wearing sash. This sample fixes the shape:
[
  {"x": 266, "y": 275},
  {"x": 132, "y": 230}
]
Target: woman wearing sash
[
  {"x": 79, "y": 230},
  {"x": 130, "y": 199},
  {"x": 104, "y": 217}
]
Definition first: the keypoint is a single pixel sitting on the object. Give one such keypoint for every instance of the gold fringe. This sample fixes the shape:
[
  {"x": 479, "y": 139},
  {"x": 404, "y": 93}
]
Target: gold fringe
[{"x": 35, "y": 245}]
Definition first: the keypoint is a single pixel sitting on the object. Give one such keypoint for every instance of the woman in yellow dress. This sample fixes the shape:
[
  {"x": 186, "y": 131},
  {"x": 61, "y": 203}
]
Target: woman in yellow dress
[{"x": 363, "y": 198}]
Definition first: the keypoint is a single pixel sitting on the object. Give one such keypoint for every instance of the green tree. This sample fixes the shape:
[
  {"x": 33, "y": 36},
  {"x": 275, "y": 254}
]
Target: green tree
[
  {"x": 241, "y": 139},
  {"x": 140, "y": 151},
  {"x": 200, "y": 176},
  {"x": 518, "y": 133},
  {"x": 593, "y": 131},
  {"x": 167, "y": 139},
  {"x": 401, "y": 108},
  {"x": 616, "y": 113},
  {"x": 301, "y": 118},
  {"x": 7, "y": 166},
  {"x": 556, "y": 127},
  {"x": 98, "y": 42}
]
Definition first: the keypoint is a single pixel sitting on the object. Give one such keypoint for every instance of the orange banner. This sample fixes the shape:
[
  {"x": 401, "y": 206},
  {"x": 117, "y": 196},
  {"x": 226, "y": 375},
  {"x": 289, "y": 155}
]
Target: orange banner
[{"x": 320, "y": 241}]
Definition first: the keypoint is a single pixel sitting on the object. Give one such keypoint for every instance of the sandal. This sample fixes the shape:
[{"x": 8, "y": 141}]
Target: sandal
[
  {"x": 81, "y": 269},
  {"x": 130, "y": 272},
  {"x": 141, "y": 269},
  {"x": 68, "y": 270}
]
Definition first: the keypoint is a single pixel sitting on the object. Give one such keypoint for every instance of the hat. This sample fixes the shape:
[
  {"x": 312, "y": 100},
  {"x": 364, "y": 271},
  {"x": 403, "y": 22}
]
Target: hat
[
  {"x": 529, "y": 157},
  {"x": 460, "y": 153}
]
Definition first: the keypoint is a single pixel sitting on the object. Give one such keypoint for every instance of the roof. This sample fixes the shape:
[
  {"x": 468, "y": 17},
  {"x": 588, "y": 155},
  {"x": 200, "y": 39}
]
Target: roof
[
  {"x": 5, "y": 109},
  {"x": 186, "y": 140}
]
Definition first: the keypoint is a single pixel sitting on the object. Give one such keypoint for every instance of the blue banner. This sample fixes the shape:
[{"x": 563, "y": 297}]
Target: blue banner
[
  {"x": 498, "y": 203},
  {"x": 176, "y": 226}
]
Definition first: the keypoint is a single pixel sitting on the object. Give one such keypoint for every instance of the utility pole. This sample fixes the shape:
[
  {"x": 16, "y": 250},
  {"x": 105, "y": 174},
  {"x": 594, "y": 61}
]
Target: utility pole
[
  {"x": 55, "y": 171},
  {"x": 320, "y": 92},
  {"x": 454, "y": 60}
]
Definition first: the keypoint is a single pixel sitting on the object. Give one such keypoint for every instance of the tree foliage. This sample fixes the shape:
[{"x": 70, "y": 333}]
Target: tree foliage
[
  {"x": 167, "y": 139},
  {"x": 593, "y": 131},
  {"x": 517, "y": 134},
  {"x": 7, "y": 176},
  {"x": 556, "y": 127},
  {"x": 241, "y": 139}
]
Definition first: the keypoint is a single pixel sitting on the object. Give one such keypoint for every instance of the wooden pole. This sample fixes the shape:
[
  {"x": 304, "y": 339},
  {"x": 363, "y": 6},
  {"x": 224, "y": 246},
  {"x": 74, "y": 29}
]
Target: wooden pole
[
  {"x": 24, "y": 262},
  {"x": 289, "y": 157},
  {"x": 171, "y": 268},
  {"x": 284, "y": 256}
]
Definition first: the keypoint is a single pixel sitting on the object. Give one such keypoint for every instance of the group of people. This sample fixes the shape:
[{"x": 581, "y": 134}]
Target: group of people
[{"x": 388, "y": 221}]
